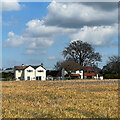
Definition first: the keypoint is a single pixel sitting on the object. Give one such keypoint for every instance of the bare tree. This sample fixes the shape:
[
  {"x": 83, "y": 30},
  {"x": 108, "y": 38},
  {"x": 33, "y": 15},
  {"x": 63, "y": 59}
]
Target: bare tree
[
  {"x": 82, "y": 53},
  {"x": 112, "y": 66},
  {"x": 67, "y": 65},
  {"x": 58, "y": 65}
]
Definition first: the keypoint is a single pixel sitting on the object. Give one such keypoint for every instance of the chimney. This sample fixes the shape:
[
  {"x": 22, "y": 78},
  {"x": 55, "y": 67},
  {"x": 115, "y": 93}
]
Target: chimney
[
  {"x": 41, "y": 64},
  {"x": 22, "y": 64}
]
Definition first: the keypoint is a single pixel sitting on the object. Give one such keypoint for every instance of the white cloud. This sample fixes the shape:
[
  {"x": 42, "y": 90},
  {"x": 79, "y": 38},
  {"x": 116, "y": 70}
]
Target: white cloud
[
  {"x": 31, "y": 43},
  {"x": 38, "y": 43},
  {"x": 14, "y": 40},
  {"x": 11, "y": 34},
  {"x": 7, "y": 5},
  {"x": 56, "y": 58},
  {"x": 30, "y": 51},
  {"x": 37, "y": 28},
  {"x": 36, "y": 35},
  {"x": 52, "y": 58},
  {"x": 97, "y": 35},
  {"x": 78, "y": 15}
]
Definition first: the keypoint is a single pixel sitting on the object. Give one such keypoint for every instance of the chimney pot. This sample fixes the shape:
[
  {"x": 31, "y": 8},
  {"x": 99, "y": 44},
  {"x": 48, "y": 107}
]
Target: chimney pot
[{"x": 41, "y": 64}]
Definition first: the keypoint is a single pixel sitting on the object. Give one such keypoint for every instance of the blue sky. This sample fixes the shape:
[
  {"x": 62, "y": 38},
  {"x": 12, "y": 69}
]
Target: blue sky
[{"x": 38, "y": 32}]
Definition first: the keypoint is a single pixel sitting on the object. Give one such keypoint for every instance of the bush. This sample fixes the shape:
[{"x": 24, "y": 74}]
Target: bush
[
  {"x": 8, "y": 76},
  {"x": 111, "y": 76}
]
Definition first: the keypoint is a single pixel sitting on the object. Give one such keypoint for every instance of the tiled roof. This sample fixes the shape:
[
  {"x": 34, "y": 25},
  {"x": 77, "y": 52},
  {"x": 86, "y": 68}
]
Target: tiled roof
[
  {"x": 85, "y": 68},
  {"x": 23, "y": 67},
  {"x": 20, "y": 67}
]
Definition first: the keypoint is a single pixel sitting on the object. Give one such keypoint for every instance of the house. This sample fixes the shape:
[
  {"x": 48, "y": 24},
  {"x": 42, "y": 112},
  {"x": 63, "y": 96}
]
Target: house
[
  {"x": 86, "y": 72},
  {"x": 30, "y": 72}
]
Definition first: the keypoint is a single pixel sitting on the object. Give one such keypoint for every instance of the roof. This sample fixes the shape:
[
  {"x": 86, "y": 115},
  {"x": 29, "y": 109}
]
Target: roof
[
  {"x": 24, "y": 67},
  {"x": 84, "y": 68},
  {"x": 73, "y": 66},
  {"x": 20, "y": 67}
]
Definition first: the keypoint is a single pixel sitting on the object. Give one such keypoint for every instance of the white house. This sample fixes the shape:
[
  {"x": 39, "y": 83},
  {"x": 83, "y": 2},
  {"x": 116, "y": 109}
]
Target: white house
[{"x": 30, "y": 72}]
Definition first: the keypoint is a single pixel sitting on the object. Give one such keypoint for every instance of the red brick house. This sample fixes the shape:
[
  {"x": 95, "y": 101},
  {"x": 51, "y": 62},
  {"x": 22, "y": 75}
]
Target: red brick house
[{"x": 88, "y": 73}]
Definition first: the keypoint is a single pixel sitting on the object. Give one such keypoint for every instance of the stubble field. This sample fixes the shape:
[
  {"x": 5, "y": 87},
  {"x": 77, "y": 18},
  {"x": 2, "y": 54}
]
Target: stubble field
[{"x": 59, "y": 99}]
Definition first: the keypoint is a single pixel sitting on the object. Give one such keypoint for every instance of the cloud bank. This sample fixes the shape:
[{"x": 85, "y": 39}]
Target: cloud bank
[
  {"x": 7, "y": 5},
  {"x": 93, "y": 23}
]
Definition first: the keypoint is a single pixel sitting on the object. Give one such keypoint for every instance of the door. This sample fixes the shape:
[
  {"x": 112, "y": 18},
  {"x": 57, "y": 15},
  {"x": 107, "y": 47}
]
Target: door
[
  {"x": 28, "y": 78},
  {"x": 38, "y": 78}
]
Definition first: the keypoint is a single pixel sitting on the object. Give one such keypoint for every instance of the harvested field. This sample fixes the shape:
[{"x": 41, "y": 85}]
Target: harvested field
[{"x": 60, "y": 99}]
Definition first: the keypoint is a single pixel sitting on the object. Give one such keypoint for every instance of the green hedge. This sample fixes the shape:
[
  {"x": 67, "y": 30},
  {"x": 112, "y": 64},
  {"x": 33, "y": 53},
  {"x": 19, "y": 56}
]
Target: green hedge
[
  {"x": 8, "y": 76},
  {"x": 112, "y": 76}
]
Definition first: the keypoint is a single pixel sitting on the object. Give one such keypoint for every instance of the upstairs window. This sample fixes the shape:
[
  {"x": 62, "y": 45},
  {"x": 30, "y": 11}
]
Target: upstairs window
[
  {"x": 29, "y": 70},
  {"x": 40, "y": 70},
  {"x": 89, "y": 72},
  {"x": 19, "y": 78},
  {"x": 73, "y": 72}
]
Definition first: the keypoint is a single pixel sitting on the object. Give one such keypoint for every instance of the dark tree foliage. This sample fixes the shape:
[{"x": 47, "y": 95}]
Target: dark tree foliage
[
  {"x": 67, "y": 65},
  {"x": 9, "y": 69},
  {"x": 58, "y": 66},
  {"x": 70, "y": 65},
  {"x": 96, "y": 68},
  {"x": 8, "y": 76},
  {"x": 82, "y": 53},
  {"x": 112, "y": 66}
]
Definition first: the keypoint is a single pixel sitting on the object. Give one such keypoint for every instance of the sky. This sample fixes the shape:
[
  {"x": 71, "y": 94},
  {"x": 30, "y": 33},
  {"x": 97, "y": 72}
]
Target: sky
[{"x": 37, "y": 32}]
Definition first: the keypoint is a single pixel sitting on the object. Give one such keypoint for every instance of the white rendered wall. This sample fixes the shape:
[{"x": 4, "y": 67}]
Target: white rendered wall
[
  {"x": 29, "y": 74},
  {"x": 18, "y": 74},
  {"x": 42, "y": 74}
]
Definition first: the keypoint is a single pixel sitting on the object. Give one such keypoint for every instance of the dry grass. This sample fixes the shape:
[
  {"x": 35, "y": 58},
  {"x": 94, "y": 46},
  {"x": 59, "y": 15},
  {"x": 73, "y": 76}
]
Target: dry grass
[{"x": 51, "y": 99}]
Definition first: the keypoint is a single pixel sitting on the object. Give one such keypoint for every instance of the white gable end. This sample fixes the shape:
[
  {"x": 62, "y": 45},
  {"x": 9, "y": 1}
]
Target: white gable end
[
  {"x": 29, "y": 73},
  {"x": 41, "y": 73}
]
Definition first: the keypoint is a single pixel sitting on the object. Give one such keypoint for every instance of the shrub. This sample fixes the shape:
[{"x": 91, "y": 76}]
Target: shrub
[{"x": 112, "y": 76}]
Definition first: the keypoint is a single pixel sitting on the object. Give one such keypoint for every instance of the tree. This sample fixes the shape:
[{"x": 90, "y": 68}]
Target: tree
[
  {"x": 82, "y": 53},
  {"x": 96, "y": 68},
  {"x": 8, "y": 76},
  {"x": 58, "y": 66},
  {"x": 112, "y": 66},
  {"x": 67, "y": 65}
]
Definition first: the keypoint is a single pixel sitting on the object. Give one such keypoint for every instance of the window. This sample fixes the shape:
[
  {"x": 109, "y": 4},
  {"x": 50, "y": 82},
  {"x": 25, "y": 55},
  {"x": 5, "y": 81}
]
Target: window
[
  {"x": 29, "y": 70},
  {"x": 73, "y": 72},
  {"x": 40, "y": 70},
  {"x": 19, "y": 78},
  {"x": 89, "y": 71}
]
